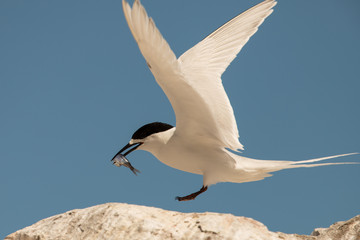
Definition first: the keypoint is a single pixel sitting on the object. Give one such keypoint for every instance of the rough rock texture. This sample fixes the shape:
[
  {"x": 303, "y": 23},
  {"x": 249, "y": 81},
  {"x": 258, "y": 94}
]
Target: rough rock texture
[
  {"x": 123, "y": 221},
  {"x": 347, "y": 230}
]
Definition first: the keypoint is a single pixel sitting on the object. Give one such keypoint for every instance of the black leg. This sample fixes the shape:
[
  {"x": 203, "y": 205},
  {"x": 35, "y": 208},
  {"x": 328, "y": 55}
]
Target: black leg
[{"x": 193, "y": 195}]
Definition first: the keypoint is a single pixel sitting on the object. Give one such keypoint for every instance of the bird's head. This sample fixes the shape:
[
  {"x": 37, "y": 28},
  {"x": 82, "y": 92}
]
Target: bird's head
[{"x": 148, "y": 137}]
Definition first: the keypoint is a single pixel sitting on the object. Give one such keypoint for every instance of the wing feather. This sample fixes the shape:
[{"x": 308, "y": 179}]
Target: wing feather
[
  {"x": 192, "y": 83},
  {"x": 188, "y": 105},
  {"x": 204, "y": 64}
]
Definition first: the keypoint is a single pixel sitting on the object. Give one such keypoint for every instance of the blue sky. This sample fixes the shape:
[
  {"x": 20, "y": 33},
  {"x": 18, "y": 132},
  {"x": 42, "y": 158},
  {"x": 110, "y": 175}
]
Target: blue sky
[{"x": 74, "y": 87}]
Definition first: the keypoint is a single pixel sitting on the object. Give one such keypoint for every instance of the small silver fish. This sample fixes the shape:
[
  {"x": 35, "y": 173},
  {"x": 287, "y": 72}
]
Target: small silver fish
[{"x": 120, "y": 160}]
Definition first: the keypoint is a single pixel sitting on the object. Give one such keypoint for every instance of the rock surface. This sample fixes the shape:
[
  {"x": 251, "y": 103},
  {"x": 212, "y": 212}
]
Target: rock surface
[
  {"x": 124, "y": 221},
  {"x": 347, "y": 230}
]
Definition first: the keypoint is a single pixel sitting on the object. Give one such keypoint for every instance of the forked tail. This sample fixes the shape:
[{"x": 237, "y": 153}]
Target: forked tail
[
  {"x": 299, "y": 164},
  {"x": 249, "y": 169}
]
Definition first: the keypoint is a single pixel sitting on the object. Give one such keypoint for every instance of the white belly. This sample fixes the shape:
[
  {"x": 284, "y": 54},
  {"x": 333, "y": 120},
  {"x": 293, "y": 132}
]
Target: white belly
[
  {"x": 190, "y": 157},
  {"x": 199, "y": 157}
]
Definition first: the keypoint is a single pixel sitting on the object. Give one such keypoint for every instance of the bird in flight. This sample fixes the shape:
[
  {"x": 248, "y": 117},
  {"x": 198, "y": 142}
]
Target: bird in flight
[{"x": 206, "y": 129}]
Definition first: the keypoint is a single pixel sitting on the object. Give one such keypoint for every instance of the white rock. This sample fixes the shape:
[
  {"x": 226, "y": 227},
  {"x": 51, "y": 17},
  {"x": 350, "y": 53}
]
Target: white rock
[
  {"x": 347, "y": 230},
  {"x": 114, "y": 221}
]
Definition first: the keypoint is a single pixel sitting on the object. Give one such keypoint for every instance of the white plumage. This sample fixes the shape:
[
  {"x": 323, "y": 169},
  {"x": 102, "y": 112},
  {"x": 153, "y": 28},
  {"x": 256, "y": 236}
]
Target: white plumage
[{"x": 205, "y": 122}]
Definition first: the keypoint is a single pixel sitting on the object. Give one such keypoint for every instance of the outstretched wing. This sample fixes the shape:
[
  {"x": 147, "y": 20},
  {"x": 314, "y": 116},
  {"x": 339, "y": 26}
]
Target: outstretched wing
[
  {"x": 192, "y": 83},
  {"x": 204, "y": 64}
]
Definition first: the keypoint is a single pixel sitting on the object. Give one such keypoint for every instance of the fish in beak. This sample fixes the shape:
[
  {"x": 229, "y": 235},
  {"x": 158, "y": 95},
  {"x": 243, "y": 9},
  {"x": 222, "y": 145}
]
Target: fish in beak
[{"x": 119, "y": 159}]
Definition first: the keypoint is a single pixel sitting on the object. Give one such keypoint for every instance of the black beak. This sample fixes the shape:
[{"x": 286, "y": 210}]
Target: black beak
[{"x": 126, "y": 147}]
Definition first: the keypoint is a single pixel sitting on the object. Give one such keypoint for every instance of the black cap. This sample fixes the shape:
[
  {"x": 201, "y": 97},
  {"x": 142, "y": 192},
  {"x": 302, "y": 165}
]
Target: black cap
[{"x": 150, "y": 129}]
